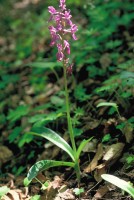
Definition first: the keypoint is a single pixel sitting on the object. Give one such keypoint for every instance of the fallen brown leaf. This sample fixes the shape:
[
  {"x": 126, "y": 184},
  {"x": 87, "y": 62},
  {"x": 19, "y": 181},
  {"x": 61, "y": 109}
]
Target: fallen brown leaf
[
  {"x": 67, "y": 195},
  {"x": 5, "y": 198},
  {"x": 90, "y": 146},
  {"x": 13, "y": 195},
  {"x": 128, "y": 132},
  {"x": 100, "y": 169},
  {"x": 95, "y": 160},
  {"x": 52, "y": 190},
  {"x": 101, "y": 192},
  {"x": 105, "y": 60},
  {"x": 5, "y": 154},
  {"x": 113, "y": 152}
]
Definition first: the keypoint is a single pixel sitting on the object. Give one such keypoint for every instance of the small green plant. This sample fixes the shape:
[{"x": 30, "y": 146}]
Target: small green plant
[
  {"x": 63, "y": 27},
  {"x": 126, "y": 186},
  {"x": 3, "y": 190},
  {"x": 35, "y": 197},
  {"x": 78, "y": 191}
]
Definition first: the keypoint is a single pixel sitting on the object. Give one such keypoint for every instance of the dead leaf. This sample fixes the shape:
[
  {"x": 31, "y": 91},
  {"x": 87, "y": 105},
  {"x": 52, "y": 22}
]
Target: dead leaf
[
  {"x": 13, "y": 195},
  {"x": 63, "y": 188},
  {"x": 128, "y": 132},
  {"x": 5, "y": 198},
  {"x": 17, "y": 194},
  {"x": 52, "y": 190},
  {"x": 108, "y": 123},
  {"x": 95, "y": 160},
  {"x": 100, "y": 169},
  {"x": 101, "y": 192},
  {"x": 5, "y": 154},
  {"x": 50, "y": 193},
  {"x": 105, "y": 60},
  {"x": 57, "y": 182},
  {"x": 91, "y": 125},
  {"x": 113, "y": 152},
  {"x": 55, "y": 152},
  {"x": 50, "y": 89},
  {"x": 90, "y": 146},
  {"x": 65, "y": 195}
]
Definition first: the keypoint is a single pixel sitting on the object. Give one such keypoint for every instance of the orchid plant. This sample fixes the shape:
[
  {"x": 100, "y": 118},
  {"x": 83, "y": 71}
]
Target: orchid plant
[{"x": 61, "y": 30}]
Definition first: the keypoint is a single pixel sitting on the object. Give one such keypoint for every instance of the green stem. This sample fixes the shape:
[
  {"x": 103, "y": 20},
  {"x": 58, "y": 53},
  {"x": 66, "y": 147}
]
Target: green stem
[
  {"x": 68, "y": 111},
  {"x": 38, "y": 181},
  {"x": 77, "y": 167}
]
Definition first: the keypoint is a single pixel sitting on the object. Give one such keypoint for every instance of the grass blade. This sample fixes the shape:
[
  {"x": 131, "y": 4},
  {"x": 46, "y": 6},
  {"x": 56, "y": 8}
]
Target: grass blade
[{"x": 82, "y": 145}]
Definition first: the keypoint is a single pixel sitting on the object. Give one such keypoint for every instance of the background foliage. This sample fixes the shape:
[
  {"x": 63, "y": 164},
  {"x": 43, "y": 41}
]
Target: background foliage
[{"x": 31, "y": 91}]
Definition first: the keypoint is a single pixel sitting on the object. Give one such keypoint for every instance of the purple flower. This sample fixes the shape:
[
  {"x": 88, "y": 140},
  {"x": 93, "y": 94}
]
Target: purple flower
[
  {"x": 54, "y": 35},
  {"x": 60, "y": 54},
  {"x": 74, "y": 28},
  {"x": 67, "y": 46},
  {"x": 67, "y": 15},
  {"x": 59, "y": 46},
  {"x": 52, "y": 10},
  {"x": 62, "y": 5},
  {"x": 52, "y": 30}
]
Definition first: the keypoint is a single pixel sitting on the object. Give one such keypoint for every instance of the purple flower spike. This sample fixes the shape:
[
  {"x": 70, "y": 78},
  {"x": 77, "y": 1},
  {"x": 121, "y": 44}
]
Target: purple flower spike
[{"x": 63, "y": 26}]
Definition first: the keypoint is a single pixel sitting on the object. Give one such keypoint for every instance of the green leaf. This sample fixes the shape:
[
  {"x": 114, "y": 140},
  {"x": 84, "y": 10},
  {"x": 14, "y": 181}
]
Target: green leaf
[
  {"x": 107, "y": 104},
  {"x": 111, "y": 111},
  {"x": 14, "y": 134},
  {"x": 2, "y": 119},
  {"x": 43, "y": 119},
  {"x": 126, "y": 75},
  {"x": 110, "y": 87},
  {"x": 119, "y": 183},
  {"x": 35, "y": 197},
  {"x": 78, "y": 191},
  {"x": 79, "y": 112},
  {"x": 82, "y": 145},
  {"x": 114, "y": 105},
  {"x": 26, "y": 182},
  {"x": 77, "y": 132},
  {"x": 36, "y": 118},
  {"x": 130, "y": 159},
  {"x": 4, "y": 190},
  {"x": 45, "y": 164},
  {"x": 25, "y": 139},
  {"x": 20, "y": 111},
  {"x": 45, "y": 185},
  {"x": 80, "y": 93},
  {"x": 20, "y": 170},
  {"x": 57, "y": 101},
  {"x": 54, "y": 138},
  {"x": 106, "y": 138}
]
